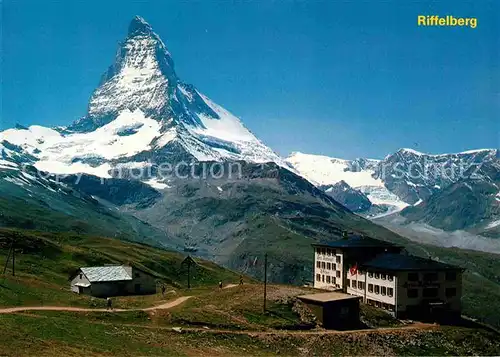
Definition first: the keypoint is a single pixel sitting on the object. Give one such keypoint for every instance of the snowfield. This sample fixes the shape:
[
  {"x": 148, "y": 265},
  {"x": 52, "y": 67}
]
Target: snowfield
[{"x": 324, "y": 170}]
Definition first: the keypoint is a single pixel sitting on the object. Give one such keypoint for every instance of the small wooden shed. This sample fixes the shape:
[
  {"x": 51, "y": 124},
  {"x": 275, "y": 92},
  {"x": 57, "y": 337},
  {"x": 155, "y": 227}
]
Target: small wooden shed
[{"x": 334, "y": 310}]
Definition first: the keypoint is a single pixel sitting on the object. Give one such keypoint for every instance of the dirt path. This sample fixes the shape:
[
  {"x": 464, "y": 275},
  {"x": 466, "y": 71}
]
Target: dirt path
[
  {"x": 165, "y": 306},
  {"x": 168, "y": 305},
  {"x": 229, "y": 286}
]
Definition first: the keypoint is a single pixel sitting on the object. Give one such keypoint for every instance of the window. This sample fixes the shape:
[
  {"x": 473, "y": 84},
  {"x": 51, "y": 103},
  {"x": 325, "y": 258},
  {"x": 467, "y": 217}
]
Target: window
[
  {"x": 360, "y": 285},
  {"x": 338, "y": 259},
  {"x": 412, "y": 293},
  {"x": 390, "y": 291},
  {"x": 370, "y": 275},
  {"x": 430, "y": 292},
  {"x": 318, "y": 264},
  {"x": 328, "y": 252},
  {"x": 370, "y": 288},
  {"x": 390, "y": 277},
  {"x": 413, "y": 276},
  {"x": 430, "y": 277},
  {"x": 383, "y": 290},
  {"x": 334, "y": 280},
  {"x": 338, "y": 274},
  {"x": 137, "y": 275},
  {"x": 328, "y": 279},
  {"x": 451, "y": 292},
  {"x": 323, "y": 278},
  {"x": 318, "y": 277},
  {"x": 382, "y": 276},
  {"x": 323, "y": 265},
  {"x": 354, "y": 284},
  {"x": 334, "y": 266},
  {"x": 377, "y": 275},
  {"x": 328, "y": 266},
  {"x": 81, "y": 276},
  {"x": 451, "y": 276},
  {"x": 377, "y": 289}
]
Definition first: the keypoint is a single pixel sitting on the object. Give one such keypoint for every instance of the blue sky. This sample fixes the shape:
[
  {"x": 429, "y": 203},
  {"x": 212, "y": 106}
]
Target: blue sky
[{"x": 345, "y": 79}]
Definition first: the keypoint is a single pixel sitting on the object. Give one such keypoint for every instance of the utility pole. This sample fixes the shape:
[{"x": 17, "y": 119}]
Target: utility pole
[
  {"x": 8, "y": 257},
  {"x": 265, "y": 281},
  {"x": 13, "y": 258},
  {"x": 189, "y": 272}
]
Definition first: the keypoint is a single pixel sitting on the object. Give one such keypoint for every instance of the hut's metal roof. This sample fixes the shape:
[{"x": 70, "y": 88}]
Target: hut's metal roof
[{"x": 106, "y": 273}]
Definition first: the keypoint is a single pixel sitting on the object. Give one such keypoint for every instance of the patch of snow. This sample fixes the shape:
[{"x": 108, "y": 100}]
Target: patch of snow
[
  {"x": 15, "y": 181},
  {"x": 411, "y": 151},
  {"x": 493, "y": 224},
  {"x": 166, "y": 137},
  {"x": 8, "y": 165},
  {"x": 219, "y": 188},
  {"x": 156, "y": 184},
  {"x": 228, "y": 127},
  {"x": 382, "y": 196},
  {"x": 58, "y": 167}
]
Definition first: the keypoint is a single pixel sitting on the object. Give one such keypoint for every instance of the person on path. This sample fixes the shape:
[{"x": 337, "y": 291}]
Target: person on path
[
  {"x": 109, "y": 304},
  {"x": 220, "y": 285},
  {"x": 163, "y": 290},
  {"x": 241, "y": 279}
]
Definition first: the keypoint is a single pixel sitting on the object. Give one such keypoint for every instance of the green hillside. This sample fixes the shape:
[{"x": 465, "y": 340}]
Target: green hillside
[
  {"x": 30, "y": 201},
  {"x": 45, "y": 262}
]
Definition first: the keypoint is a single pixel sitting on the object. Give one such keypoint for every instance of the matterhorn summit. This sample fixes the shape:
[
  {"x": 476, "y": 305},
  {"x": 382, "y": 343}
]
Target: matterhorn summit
[{"x": 141, "y": 113}]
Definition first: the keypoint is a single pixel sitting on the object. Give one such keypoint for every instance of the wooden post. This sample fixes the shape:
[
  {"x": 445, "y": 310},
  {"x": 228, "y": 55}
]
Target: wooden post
[
  {"x": 189, "y": 273},
  {"x": 8, "y": 258},
  {"x": 13, "y": 258}
]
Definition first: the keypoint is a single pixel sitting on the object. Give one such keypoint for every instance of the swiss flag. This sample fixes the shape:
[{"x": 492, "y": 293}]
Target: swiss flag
[{"x": 354, "y": 269}]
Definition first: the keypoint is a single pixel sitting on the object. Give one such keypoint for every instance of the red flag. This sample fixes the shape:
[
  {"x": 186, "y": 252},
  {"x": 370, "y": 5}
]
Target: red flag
[{"x": 354, "y": 269}]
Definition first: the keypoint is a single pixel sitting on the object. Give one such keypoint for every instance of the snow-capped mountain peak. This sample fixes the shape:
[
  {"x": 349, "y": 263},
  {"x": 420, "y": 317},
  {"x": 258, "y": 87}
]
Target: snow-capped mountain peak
[{"x": 141, "y": 112}]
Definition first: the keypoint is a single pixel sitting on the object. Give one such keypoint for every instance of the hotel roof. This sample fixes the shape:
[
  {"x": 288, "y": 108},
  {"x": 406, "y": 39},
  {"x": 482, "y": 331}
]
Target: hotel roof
[
  {"x": 356, "y": 241},
  {"x": 389, "y": 261}
]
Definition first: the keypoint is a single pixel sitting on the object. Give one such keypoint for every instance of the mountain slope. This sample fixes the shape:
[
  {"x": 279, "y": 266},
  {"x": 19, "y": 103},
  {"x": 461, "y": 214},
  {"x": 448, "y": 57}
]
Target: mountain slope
[
  {"x": 462, "y": 205},
  {"x": 30, "y": 201},
  {"x": 414, "y": 176},
  {"x": 349, "y": 197},
  {"x": 235, "y": 220}
]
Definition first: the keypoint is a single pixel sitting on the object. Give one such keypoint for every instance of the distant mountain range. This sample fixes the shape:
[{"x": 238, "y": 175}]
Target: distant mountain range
[{"x": 449, "y": 191}]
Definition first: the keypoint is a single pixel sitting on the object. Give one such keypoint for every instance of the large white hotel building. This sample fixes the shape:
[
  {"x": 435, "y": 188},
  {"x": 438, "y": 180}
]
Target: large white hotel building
[{"x": 384, "y": 276}]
